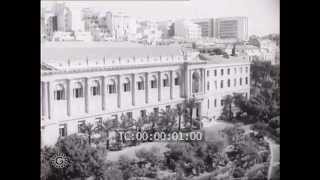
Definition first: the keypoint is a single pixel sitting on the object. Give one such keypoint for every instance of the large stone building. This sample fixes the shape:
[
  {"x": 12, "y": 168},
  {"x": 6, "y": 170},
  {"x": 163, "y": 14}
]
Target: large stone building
[
  {"x": 232, "y": 28},
  {"x": 207, "y": 26},
  {"x": 94, "y": 82},
  {"x": 187, "y": 30}
]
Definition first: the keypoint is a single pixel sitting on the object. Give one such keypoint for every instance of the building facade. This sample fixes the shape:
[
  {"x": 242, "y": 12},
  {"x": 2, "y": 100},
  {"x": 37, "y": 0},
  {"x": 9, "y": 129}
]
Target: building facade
[
  {"x": 187, "y": 30},
  {"x": 207, "y": 26},
  {"x": 232, "y": 28},
  {"x": 118, "y": 25},
  {"x": 95, "y": 84}
]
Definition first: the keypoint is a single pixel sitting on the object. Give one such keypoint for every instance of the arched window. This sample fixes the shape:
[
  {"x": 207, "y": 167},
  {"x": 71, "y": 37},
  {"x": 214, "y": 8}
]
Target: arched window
[
  {"x": 195, "y": 82},
  {"x": 177, "y": 79},
  {"x": 78, "y": 90},
  {"x": 153, "y": 82},
  {"x": 166, "y": 81},
  {"x": 95, "y": 88},
  {"x": 140, "y": 83},
  {"x": 111, "y": 86},
  {"x": 59, "y": 92},
  {"x": 126, "y": 85}
]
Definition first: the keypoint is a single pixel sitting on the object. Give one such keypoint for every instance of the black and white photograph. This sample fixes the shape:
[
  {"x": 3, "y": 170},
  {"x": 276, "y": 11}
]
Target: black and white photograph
[{"x": 160, "y": 90}]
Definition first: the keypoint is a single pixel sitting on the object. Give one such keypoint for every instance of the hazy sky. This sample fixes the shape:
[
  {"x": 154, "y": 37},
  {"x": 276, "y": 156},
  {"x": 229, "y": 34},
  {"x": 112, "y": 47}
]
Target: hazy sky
[{"x": 263, "y": 15}]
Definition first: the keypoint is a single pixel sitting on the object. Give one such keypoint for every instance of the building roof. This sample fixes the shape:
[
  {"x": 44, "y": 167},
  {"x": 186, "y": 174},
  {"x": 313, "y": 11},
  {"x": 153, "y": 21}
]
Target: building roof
[
  {"x": 98, "y": 50},
  {"x": 216, "y": 59}
]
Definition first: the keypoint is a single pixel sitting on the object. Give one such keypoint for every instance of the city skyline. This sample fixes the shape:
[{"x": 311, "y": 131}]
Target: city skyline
[{"x": 263, "y": 15}]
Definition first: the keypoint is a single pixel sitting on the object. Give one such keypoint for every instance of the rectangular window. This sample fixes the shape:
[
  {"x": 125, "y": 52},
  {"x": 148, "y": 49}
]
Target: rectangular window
[
  {"x": 112, "y": 89},
  {"x": 229, "y": 83},
  {"x": 153, "y": 84},
  {"x": 216, "y": 84},
  {"x": 143, "y": 113},
  {"x": 95, "y": 91},
  {"x": 215, "y": 72},
  {"x": 140, "y": 85},
  {"x": 98, "y": 121},
  {"x": 215, "y": 102},
  {"x": 208, "y": 73},
  {"x": 235, "y": 70},
  {"x": 129, "y": 115},
  {"x": 228, "y": 71},
  {"x": 166, "y": 83},
  {"x": 208, "y": 104},
  {"x": 246, "y": 80},
  {"x": 168, "y": 108},
  {"x": 247, "y": 69},
  {"x": 156, "y": 111},
  {"x": 176, "y": 81},
  {"x": 221, "y": 72},
  {"x": 80, "y": 126},
  {"x": 126, "y": 87},
  {"x": 240, "y": 70},
  {"x": 63, "y": 130},
  {"x": 221, "y": 102},
  {"x": 235, "y": 82},
  {"x": 240, "y": 81},
  {"x": 208, "y": 86},
  {"x": 78, "y": 92},
  {"x": 59, "y": 95},
  {"x": 221, "y": 84}
]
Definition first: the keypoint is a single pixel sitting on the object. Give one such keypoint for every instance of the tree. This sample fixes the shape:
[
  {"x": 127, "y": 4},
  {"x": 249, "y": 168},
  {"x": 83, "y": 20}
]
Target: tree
[
  {"x": 45, "y": 154},
  {"x": 104, "y": 128},
  {"x": 85, "y": 160},
  {"x": 190, "y": 104},
  {"x": 89, "y": 129},
  {"x": 179, "y": 111},
  {"x": 167, "y": 120},
  {"x": 227, "y": 114},
  {"x": 253, "y": 40}
]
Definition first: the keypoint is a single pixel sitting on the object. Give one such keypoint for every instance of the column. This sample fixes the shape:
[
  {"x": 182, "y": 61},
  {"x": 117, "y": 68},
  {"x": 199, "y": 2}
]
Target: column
[
  {"x": 133, "y": 89},
  {"x": 159, "y": 86},
  {"x": 86, "y": 96},
  {"x": 203, "y": 80},
  {"x": 119, "y": 90},
  {"x": 103, "y": 93},
  {"x": 44, "y": 98},
  {"x": 50, "y": 99},
  {"x": 185, "y": 87},
  {"x": 171, "y": 85},
  {"x": 68, "y": 96},
  {"x": 190, "y": 83},
  {"x": 146, "y": 87}
]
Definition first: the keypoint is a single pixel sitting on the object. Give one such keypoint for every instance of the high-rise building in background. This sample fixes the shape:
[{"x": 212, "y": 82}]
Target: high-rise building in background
[
  {"x": 119, "y": 25},
  {"x": 64, "y": 17},
  {"x": 232, "y": 28},
  {"x": 187, "y": 30},
  {"x": 207, "y": 26},
  {"x": 58, "y": 18}
]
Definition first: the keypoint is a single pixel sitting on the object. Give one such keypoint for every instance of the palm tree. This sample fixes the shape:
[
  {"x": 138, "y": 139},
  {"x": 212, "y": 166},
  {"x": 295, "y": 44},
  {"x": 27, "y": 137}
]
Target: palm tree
[
  {"x": 190, "y": 105},
  {"x": 126, "y": 124},
  {"x": 180, "y": 112},
  {"x": 89, "y": 130},
  {"x": 104, "y": 128},
  {"x": 167, "y": 119},
  {"x": 153, "y": 118}
]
